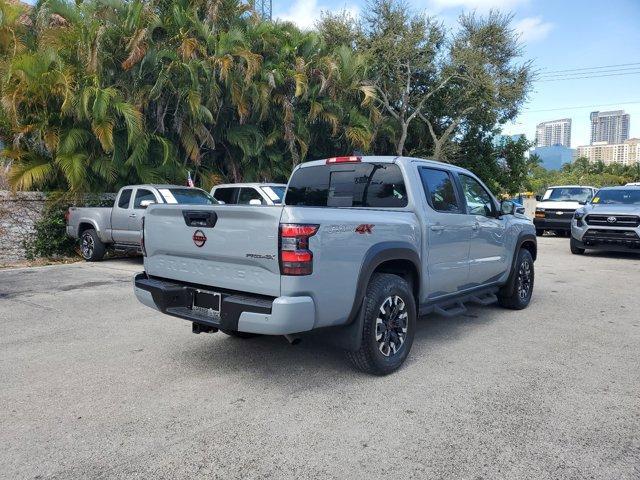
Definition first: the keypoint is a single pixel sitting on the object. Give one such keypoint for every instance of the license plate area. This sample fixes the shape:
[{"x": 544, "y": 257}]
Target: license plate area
[{"x": 206, "y": 303}]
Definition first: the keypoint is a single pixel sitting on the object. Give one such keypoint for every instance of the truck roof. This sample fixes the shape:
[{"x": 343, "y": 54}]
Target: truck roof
[
  {"x": 157, "y": 185},
  {"x": 622, "y": 187},
  {"x": 571, "y": 186},
  {"x": 386, "y": 159},
  {"x": 250, "y": 184}
]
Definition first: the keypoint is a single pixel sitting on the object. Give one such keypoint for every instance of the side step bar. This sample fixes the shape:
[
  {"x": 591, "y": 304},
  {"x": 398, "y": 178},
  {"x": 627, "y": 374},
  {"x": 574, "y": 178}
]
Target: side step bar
[{"x": 456, "y": 306}]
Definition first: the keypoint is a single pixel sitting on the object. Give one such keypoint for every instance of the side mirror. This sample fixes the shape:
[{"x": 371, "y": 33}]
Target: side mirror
[
  {"x": 538, "y": 198},
  {"x": 582, "y": 202},
  {"x": 507, "y": 207},
  {"x": 146, "y": 203},
  {"x": 255, "y": 201}
]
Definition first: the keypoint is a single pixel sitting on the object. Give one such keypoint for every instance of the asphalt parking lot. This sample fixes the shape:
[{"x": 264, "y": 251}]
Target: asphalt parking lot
[{"x": 94, "y": 385}]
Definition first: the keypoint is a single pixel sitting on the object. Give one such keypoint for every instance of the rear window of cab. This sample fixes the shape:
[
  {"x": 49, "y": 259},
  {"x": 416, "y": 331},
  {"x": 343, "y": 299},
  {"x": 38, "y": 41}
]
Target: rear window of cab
[{"x": 372, "y": 185}]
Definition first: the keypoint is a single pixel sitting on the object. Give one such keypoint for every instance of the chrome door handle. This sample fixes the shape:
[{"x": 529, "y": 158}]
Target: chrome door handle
[{"x": 437, "y": 228}]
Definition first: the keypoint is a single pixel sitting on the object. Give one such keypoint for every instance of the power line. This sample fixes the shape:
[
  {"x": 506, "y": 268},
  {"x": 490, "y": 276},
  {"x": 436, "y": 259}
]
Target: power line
[
  {"x": 618, "y": 70},
  {"x": 592, "y": 68},
  {"x": 583, "y": 106},
  {"x": 589, "y": 76}
]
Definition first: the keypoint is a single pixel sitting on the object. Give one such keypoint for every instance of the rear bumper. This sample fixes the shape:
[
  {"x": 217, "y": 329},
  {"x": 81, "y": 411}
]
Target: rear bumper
[
  {"x": 553, "y": 223},
  {"x": 239, "y": 312}
]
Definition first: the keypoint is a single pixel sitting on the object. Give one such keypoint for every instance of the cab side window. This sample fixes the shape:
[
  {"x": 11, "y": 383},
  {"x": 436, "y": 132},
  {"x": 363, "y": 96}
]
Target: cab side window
[
  {"x": 125, "y": 198},
  {"x": 227, "y": 195},
  {"x": 479, "y": 201},
  {"x": 248, "y": 194},
  {"x": 440, "y": 190},
  {"x": 143, "y": 194}
]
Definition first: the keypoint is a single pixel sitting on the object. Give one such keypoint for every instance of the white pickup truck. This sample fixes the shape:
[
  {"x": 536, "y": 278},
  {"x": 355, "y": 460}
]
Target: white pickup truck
[
  {"x": 120, "y": 226},
  {"x": 360, "y": 248}
]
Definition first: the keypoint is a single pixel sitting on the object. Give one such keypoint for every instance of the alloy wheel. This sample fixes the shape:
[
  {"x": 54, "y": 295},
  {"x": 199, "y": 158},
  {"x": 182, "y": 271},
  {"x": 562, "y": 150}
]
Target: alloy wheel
[{"x": 391, "y": 325}]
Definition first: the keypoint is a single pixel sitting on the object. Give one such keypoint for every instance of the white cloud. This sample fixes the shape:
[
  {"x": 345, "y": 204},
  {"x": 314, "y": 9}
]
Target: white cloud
[
  {"x": 481, "y": 5},
  {"x": 533, "y": 29},
  {"x": 305, "y": 13}
]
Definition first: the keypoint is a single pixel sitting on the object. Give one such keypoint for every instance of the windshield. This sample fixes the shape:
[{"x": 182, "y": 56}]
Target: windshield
[
  {"x": 275, "y": 193},
  {"x": 187, "y": 196},
  {"x": 567, "y": 194},
  {"x": 625, "y": 197}
]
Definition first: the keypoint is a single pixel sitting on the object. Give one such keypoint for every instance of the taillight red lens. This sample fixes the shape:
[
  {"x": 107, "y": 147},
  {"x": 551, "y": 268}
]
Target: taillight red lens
[
  {"x": 351, "y": 159},
  {"x": 295, "y": 256},
  {"x": 67, "y": 214}
]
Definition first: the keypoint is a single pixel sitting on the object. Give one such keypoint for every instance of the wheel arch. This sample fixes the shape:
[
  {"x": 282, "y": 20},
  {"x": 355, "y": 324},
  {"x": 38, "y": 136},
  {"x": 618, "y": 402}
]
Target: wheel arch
[{"x": 398, "y": 258}]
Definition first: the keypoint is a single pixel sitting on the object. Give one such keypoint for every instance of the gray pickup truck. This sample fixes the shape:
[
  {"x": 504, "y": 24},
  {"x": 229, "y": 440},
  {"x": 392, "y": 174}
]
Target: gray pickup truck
[
  {"x": 611, "y": 221},
  {"x": 361, "y": 247},
  {"x": 120, "y": 226}
]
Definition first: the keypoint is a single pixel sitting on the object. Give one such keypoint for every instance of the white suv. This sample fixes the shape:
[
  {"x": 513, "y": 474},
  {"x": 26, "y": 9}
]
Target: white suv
[{"x": 249, "y": 193}]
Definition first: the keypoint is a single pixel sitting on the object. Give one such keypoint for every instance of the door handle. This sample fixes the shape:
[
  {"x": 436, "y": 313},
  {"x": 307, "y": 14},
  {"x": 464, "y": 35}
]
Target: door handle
[
  {"x": 133, "y": 215},
  {"x": 475, "y": 226},
  {"x": 437, "y": 228}
]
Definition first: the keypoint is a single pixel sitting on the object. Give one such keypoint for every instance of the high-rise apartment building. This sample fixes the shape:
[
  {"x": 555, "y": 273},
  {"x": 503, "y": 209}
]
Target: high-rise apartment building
[
  {"x": 555, "y": 132},
  {"x": 626, "y": 153},
  {"x": 611, "y": 127}
]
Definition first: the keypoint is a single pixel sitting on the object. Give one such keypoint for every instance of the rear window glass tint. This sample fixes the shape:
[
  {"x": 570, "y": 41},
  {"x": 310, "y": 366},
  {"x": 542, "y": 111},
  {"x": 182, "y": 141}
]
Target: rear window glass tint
[{"x": 373, "y": 185}]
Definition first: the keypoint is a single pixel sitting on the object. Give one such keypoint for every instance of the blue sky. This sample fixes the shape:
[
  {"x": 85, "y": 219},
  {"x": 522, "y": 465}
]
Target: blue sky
[{"x": 558, "y": 35}]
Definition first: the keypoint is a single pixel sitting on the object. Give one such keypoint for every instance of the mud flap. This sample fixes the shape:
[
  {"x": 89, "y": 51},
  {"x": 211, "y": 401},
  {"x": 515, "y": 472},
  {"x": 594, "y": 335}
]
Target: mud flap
[{"x": 346, "y": 337}]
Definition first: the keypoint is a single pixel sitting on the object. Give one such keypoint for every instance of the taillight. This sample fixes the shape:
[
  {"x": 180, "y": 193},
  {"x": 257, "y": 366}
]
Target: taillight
[
  {"x": 67, "y": 214},
  {"x": 352, "y": 159},
  {"x": 144, "y": 251},
  {"x": 295, "y": 256}
]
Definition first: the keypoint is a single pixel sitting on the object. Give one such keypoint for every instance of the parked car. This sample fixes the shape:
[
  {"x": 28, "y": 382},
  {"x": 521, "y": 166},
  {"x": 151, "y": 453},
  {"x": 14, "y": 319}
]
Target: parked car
[
  {"x": 120, "y": 226},
  {"x": 633, "y": 184},
  {"x": 361, "y": 247},
  {"x": 557, "y": 206},
  {"x": 249, "y": 193},
  {"x": 610, "y": 222}
]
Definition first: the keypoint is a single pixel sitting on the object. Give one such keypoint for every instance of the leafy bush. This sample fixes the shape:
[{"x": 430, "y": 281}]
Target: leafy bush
[{"x": 50, "y": 236}]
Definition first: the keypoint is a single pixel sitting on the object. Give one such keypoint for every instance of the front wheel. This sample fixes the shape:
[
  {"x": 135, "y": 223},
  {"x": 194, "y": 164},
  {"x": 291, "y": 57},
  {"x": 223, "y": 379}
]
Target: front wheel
[
  {"x": 516, "y": 295},
  {"x": 91, "y": 247},
  {"x": 575, "y": 249},
  {"x": 388, "y": 327}
]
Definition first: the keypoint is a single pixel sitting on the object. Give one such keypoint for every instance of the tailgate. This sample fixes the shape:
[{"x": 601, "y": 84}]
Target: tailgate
[{"x": 222, "y": 246}]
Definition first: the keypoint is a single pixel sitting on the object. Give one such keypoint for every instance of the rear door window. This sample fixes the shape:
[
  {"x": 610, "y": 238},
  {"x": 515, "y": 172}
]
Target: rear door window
[
  {"x": 125, "y": 198},
  {"x": 226, "y": 194},
  {"x": 372, "y": 185},
  {"x": 440, "y": 190}
]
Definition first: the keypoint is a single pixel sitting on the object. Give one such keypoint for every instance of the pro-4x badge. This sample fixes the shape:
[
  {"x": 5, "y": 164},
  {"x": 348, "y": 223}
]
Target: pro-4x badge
[{"x": 365, "y": 228}]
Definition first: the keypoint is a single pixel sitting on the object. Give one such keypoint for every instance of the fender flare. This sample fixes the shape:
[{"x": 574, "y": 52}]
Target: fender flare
[
  {"x": 373, "y": 258},
  {"x": 91, "y": 222},
  {"x": 522, "y": 238}
]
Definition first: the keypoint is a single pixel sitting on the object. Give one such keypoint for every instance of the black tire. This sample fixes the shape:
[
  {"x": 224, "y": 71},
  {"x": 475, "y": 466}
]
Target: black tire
[
  {"x": 378, "y": 353},
  {"x": 516, "y": 294},
  {"x": 91, "y": 247},
  {"x": 234, "y": 333},
  {"x": 575, "y": 249},
  {"x": 539, "y": 232}
]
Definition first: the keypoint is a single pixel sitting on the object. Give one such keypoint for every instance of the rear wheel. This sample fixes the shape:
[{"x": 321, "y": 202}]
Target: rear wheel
[
  {"x": 575, "y": 249},
  {"x": 388, "y": 327},
  {"x": 516, "y": 295},
  {"x": 91, "y": 247}
]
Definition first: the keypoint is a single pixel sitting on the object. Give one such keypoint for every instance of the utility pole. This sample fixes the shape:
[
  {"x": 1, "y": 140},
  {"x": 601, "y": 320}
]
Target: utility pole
[{"x": 263, "y": 8}]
